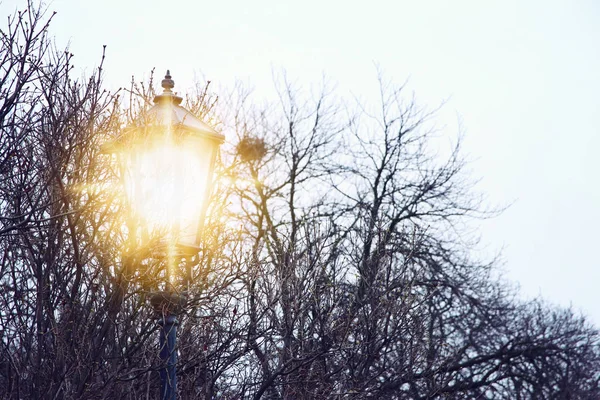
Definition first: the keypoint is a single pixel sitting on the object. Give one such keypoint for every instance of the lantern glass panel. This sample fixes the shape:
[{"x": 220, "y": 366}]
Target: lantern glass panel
[{"x": 167, "y": 181}]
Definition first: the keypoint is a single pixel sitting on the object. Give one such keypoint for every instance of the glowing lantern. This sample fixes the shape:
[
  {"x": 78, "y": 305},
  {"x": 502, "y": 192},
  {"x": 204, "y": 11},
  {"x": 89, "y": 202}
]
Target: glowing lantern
[{"x": 168, "y": 156}]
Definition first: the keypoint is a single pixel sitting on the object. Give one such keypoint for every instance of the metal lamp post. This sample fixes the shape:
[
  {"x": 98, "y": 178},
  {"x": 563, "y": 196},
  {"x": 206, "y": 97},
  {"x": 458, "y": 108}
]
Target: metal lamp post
[{"x": 167, "y": 158}]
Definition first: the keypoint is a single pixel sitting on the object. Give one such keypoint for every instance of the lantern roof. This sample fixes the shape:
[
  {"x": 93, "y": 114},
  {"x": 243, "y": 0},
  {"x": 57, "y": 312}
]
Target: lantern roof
[{"x": 168, "y": 112}]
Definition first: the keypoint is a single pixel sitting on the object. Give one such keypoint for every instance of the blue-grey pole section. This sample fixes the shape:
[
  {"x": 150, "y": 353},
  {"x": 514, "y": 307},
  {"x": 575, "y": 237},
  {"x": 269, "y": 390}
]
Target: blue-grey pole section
[{"x": 168, "y": 356}]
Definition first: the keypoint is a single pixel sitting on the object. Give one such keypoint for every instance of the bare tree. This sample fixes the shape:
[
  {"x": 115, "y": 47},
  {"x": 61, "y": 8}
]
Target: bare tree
[{"x": 334, "y": 264}]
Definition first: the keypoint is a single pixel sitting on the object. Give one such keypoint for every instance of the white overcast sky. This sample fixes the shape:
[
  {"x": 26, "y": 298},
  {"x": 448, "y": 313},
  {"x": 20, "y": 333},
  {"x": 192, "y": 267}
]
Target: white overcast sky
[{"x": 521, "y": 76}]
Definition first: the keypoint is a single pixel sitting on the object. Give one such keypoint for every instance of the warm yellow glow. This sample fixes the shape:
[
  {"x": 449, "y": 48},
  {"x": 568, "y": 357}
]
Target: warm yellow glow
[{"x": 166, "y": 187}]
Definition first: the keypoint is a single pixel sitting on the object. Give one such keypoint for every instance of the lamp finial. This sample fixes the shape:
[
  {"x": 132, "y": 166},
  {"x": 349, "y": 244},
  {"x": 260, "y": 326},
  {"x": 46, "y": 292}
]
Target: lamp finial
[{"x": 168, "y": 83}]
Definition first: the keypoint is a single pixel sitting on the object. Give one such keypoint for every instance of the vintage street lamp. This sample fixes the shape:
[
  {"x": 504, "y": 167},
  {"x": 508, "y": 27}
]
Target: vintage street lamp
[{"x": 167, "y": 158}]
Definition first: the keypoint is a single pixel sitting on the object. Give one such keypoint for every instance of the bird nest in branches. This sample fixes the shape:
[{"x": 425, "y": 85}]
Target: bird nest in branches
[{"x": 251, "y": 148}]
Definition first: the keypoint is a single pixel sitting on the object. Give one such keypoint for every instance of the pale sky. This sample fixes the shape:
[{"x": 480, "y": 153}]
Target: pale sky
[{"x": 521, "y": 76}]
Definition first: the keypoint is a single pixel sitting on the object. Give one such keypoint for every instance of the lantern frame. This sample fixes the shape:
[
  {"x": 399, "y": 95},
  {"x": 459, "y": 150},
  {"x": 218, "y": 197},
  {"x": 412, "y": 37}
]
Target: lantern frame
[{"x": 168, "y": 122}]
